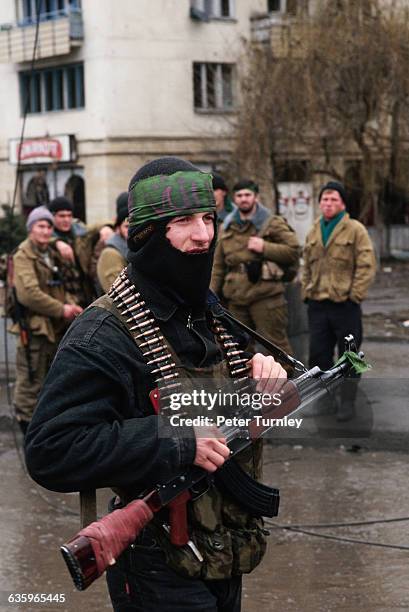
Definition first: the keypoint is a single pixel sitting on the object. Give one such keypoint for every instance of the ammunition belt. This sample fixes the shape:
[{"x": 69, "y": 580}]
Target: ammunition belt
[
  {"x": 256, "y": 498},
  {"x": 143, "y": 327}
]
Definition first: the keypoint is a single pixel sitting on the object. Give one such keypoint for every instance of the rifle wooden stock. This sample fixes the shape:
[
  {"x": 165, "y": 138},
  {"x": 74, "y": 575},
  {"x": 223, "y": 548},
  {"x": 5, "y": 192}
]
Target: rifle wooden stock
[{"x": 98, "y": 545}]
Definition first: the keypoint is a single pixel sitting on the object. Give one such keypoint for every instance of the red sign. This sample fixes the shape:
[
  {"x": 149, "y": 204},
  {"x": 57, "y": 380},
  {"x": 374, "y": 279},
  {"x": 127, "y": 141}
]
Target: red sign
[
  {"x": 50, "y": 149},
  {"x": 40, "y": 148}
]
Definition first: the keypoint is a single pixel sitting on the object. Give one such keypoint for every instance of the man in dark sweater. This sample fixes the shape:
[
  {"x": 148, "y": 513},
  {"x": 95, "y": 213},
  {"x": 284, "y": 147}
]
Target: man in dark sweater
[{"x": 95, "y": 426}]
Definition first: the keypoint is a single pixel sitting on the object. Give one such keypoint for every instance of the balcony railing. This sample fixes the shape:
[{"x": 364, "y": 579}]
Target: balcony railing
[
  {"x": 59, "y": 32},
  {"x": 283, "y": 32}
]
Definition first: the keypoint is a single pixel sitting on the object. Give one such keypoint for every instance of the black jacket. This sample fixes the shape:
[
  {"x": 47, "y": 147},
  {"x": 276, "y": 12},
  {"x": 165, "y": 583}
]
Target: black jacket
[{"x": 94, "y": 426}]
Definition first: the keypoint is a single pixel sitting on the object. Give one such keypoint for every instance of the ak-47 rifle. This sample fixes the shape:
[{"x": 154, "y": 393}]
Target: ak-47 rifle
[
  {"x": 98, "y": 545},
  {"x": 18, "y": 315}
]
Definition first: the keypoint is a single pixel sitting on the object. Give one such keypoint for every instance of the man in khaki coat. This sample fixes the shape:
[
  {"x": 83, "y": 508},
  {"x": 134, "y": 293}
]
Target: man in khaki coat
[
  {"x": 47, "y": 311},
  {"x": 253, "y": 250},
  {"x": 113, "y": 256},
  {"x": 339, "y": 266}
]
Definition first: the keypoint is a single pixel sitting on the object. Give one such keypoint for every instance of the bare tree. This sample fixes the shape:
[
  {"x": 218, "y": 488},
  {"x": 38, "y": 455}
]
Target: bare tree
[{"x": 331, "y": 88}]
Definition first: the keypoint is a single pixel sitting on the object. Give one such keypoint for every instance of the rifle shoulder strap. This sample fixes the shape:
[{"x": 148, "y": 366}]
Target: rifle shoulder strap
[
  {"x": 88, "y": 507},
  {"x": 88, "y": 498}
]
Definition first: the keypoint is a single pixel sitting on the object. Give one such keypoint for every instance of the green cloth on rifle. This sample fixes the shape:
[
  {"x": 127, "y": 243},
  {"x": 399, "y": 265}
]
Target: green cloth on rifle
[{"x": 357, "y": 363}]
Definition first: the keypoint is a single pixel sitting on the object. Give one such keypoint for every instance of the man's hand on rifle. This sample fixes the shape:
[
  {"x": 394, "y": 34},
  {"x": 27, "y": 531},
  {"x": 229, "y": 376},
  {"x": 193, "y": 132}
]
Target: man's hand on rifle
[
  {"x": 211, "y": 448},
  {"x": 270, "y": 374},
  {"x": 211, "y": 452}
]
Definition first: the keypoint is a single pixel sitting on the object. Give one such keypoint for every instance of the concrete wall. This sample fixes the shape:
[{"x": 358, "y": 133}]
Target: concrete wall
[{"x": 138, "y": 64}]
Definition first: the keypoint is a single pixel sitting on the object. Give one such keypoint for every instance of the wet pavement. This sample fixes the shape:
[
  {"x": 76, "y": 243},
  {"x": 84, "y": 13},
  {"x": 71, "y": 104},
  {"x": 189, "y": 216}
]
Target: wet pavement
[
  {"x": 325, "y": 482},
  {"x": 322, "y": 479},
  {"x": 299, "y": 573},
  {"x": 386, "y": 309},
  {"x": 309, "y": 573}
]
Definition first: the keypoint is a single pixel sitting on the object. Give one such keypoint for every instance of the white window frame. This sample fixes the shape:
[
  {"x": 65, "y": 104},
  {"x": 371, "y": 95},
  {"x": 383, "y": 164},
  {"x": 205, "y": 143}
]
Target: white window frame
[
  {"x": 282, "y": 10},
  {"x": 217, "y": 9},
  {"x": 220, "y": 106},
  {"x": 56, "y": 13},
  {"x": 79, "y": 88},
  {"x": 213, "y": 8}
]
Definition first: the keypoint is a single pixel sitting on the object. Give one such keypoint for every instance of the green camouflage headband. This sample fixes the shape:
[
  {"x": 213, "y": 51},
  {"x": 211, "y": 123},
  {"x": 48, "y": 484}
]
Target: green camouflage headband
[{"x": 162, "y": 196}]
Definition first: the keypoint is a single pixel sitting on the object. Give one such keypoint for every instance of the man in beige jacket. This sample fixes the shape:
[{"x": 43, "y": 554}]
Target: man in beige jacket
[
  {"x": 113, "y": 256},
  {"x": 339, "y": 266},
  {"x": 48, "y": 310}
]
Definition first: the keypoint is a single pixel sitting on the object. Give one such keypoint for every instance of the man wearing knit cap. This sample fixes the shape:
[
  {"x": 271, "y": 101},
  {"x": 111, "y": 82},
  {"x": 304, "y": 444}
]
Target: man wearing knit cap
[
  {"x": 157, "y": 326},
  {"x": 113, "y": 256},
  {"x": 47, "y": 310},
  {"x": 78, "y": 245},
  {"x": 224, "y": 205},
  {"x": 339, "y": 266}
]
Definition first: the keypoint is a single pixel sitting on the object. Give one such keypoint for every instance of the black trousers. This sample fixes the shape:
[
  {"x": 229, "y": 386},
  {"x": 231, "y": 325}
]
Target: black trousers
[
  {"x": 141, "y": 581},
  {"x": 329, "y": 323}
]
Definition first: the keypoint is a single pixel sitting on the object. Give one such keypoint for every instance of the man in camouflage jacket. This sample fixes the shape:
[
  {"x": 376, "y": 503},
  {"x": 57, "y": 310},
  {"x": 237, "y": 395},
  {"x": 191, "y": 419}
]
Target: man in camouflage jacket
[
  {"x": 48, "y": 310},
  {"x": 80, "y": 247},
  {"x": 253, "y": 250}
]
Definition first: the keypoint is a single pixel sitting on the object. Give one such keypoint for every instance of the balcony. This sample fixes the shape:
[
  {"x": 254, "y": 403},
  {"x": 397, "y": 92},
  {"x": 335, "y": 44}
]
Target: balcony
[
  {"x": 59, "y": 32},
  {"x": 284, "y": 33}
]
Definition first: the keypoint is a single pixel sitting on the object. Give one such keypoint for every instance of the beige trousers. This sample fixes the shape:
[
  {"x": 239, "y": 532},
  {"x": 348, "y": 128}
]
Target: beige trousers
[{"x": 267, "y": 318}]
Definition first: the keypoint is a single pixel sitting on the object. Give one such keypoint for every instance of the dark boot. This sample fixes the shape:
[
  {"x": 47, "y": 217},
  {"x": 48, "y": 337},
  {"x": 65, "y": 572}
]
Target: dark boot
[{"x": 346, "y": 408}]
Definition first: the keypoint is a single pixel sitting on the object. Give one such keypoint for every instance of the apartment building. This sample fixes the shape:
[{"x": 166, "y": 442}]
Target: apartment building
[{"x": 114, "y": 84}]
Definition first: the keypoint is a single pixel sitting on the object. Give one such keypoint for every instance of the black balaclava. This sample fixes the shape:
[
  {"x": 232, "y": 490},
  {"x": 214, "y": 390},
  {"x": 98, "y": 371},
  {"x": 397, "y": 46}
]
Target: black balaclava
[{"x": 183, "y": 277}]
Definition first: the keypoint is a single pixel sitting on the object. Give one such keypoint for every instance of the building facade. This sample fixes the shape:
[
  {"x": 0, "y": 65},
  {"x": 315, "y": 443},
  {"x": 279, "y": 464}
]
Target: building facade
[{"x": 113, "y": 85}]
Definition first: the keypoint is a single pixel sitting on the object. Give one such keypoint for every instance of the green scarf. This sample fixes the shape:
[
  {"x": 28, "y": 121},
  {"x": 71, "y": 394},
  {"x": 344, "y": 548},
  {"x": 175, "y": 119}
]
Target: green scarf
[{"x": 327, "y": 227}]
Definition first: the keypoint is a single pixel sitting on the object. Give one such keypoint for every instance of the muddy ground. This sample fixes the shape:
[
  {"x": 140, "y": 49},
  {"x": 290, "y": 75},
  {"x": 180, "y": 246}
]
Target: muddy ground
[
  {"x": 300, "y": 572},
  {"x": 326, "y": 483}
]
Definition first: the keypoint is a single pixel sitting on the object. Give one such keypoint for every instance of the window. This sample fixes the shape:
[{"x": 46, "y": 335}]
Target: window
[
  {"x": 215, "y": 9},
  {"x": 54, "y": 92},
  {"x": 274, "y": 6},
  {"x": 53, "y": 89},
  {"x": 282, "y": 6},
  {"x": 213, "y": 86},
  {"x": 49, "y": 9}
]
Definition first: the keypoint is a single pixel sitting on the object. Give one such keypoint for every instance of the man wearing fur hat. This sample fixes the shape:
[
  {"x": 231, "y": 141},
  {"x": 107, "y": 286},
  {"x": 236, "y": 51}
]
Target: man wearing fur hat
[
  {"x": 113, "y": 256},
  {"x": 97, "y": 415},
  {"x": 48, "y": 310}
]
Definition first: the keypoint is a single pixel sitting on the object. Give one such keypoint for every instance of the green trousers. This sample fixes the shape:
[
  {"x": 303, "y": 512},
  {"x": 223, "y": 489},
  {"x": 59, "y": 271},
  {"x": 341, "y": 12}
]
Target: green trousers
[
  {"x": 26, "y": 392},
  {"x": 267, "y": 318}
]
